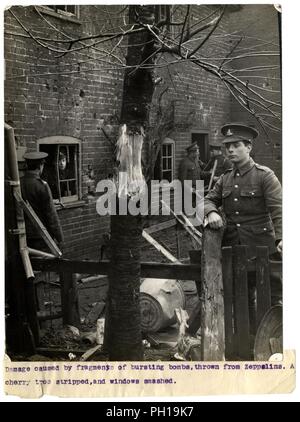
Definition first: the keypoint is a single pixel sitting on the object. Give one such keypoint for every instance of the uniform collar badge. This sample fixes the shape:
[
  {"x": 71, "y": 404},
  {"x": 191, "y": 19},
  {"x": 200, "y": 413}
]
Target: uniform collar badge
[{"x": 229, "y": 133}]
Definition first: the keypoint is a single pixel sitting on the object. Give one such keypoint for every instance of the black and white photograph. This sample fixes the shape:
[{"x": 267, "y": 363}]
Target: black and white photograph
[{"x": 143, "y": 173}]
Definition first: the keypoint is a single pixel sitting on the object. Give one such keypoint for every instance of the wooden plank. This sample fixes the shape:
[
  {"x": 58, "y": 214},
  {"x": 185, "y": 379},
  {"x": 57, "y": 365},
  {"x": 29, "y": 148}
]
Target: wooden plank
[
  {"x": 31, "y": 309},
  {"x": 228, "y": 300},
  {"x": 159, "y": 247},
  {"x": 149, "y": 269},
  {"x": 187, "y": 225},
  {"x": 102, "y": 267},
  {"x": 48, "y": 316},
  {"x": 241, "y": 304},
  {"x": 69, "y": 299},
  {"x": 194, "y": 321},
  {"x": 160, "y": 226},
  {"x": 31, "y": 214},
  {"x": 263, "y": 287},
  {"x": 212, "y": 175},
  {"x": 212, "y": 310}
]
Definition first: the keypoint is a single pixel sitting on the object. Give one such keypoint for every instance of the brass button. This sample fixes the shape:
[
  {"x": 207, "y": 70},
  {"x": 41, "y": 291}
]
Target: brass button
[
  {"x": 252, "y": 193},
  {"x": 236, "y": 186},
  {"x": 265, "y": 229},
  {"x": 238, "y": 225},
  {"x": 237, "y": 212},
  {"x": 235, "y": 199},
  {"x": 238, "y": 174}
]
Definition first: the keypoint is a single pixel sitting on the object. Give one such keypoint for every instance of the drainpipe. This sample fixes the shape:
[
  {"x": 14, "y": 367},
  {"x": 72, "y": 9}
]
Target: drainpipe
[{"x": 15, "y": 184}]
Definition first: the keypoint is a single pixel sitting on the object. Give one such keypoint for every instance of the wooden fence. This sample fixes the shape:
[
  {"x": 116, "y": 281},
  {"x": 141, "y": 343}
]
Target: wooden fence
[{"x": 225, "y": 323}]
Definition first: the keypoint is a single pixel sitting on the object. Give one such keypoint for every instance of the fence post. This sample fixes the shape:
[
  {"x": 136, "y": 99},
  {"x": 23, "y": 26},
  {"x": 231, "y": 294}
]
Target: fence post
[
  {"x": 212, "y": 312},
  {"x": 69, "y": 299},
  {"x": 241, "y": 303},
  {"x": 262, "y": 282},
  {"x": 228, "y": 300}
]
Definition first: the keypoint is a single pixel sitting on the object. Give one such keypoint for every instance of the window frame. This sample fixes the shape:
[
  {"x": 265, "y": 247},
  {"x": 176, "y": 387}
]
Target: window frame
[
  {"x": 61, "y": 14},
  {"x": 65, "y": 141},
  {"x": 167, "y": 141}
]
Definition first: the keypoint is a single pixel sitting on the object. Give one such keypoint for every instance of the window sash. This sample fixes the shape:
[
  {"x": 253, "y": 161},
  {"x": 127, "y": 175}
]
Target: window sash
[
  {"x": 73, "y": 146},
  {"x": 167, "y": 160}
]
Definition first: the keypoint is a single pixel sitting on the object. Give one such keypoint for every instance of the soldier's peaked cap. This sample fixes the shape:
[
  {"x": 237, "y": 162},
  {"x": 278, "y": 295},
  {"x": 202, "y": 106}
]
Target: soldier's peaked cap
[
  {"x": 37, "y": 155},
  {"x": 192, "y": 147},
  {"x": 235, "y": 132}
]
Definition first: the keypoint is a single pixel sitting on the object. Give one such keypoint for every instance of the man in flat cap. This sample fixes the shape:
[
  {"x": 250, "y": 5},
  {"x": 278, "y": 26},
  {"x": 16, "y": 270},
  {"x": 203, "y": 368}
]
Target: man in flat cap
[
  {"x": 37, "y": 192},
  {"x": 250, "y": 197}
]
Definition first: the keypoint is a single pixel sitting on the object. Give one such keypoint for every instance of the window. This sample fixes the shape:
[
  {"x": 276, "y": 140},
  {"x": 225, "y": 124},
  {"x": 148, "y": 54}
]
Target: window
[
  {"x": 66, "y": 12},
  {"x": 62, "y": 169},
  {"x": 64, "y": 9},
  {"x": 164, "y": 168}
]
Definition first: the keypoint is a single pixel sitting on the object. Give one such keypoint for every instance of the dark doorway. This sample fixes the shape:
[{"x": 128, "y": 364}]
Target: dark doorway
[{"x": 202, "y": 141}]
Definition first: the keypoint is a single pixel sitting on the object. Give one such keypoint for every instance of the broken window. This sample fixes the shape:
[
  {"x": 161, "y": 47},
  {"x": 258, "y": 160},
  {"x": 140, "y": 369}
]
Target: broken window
[
  {"x": 61, "y": 169},
  {"x": 62, "y": 8},
  {"x": 63, "y": 11},
  {"x": 164, "y": 168}
]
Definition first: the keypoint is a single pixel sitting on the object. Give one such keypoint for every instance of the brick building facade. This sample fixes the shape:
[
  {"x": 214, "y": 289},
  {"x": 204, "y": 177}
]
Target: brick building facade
[{"x": 72, "y": 102}]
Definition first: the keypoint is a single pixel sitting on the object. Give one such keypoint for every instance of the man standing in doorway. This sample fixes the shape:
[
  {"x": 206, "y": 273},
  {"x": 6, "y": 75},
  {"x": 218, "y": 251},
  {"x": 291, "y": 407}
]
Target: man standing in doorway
[
  {"x": 223, "y": 163},
  {"x": 250, "y": 196},
  {"x": 191, "y": 167},
  {"x": 37, "y": 192}
]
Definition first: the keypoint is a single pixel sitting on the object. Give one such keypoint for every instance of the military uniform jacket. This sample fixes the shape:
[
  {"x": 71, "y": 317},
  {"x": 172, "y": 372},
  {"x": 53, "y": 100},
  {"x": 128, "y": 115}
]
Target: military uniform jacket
[
  {"x": 223, "y": 164},
  {"x": 37, "y": 192},
  {"x": 251, "y": 200},
  {"x": 191, "y": 170}
]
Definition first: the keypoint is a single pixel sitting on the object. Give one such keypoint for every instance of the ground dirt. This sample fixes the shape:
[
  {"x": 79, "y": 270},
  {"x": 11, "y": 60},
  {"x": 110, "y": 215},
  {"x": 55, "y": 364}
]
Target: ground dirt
[{"x": 65, "y": 343}]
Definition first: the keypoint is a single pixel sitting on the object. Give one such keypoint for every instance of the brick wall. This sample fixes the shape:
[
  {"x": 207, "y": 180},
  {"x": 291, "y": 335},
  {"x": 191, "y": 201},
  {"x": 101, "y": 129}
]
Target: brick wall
[
  {"x": 50, "y": 102},
  {"x": 201, "y": 99},
  {"x": 260, "y": 24},
  {"x": 46, "y": 95}
]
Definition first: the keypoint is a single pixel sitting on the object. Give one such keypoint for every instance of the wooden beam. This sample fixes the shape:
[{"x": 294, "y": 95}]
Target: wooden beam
[
  {"x": 160, "y": 226},
  {"x": 159, "y": 247},
  {"x": 69, "y": 299},
  {"x": 187, "y": 225},
  {"x": 149, "y": 269},
  {"x": 228, "y": 300},
  {"x": 262, "y": 282},
  {"x": 36, "y": 222},
  {"x": 241, "y": 303},
  {"x": 212, "y": 312}
]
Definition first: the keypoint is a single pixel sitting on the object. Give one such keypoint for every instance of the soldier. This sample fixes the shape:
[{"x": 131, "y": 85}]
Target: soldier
[
  {"x": 223, "y": 163},
  {"x": 37, "y": 192},
  {"x": 191, "y": 168},
  {"x": 250, "y": 195}
]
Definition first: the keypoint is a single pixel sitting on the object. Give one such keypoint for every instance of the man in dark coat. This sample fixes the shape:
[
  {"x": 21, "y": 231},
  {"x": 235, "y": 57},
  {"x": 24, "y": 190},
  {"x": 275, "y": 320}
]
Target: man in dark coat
[
  {"x": 191, "y": 167},
  {"x": 250, "y": 197},
  {"x": 37, "y": 192},
  {"x": 223, "y": 163}
]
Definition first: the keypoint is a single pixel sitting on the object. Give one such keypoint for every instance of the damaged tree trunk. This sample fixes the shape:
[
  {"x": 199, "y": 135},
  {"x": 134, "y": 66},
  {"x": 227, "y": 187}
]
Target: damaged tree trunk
[{"x": 123, "y": 325}]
